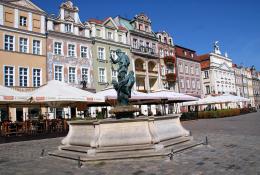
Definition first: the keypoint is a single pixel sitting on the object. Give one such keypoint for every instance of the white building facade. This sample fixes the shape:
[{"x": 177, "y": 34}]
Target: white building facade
[{"x": 218, "y": 75}]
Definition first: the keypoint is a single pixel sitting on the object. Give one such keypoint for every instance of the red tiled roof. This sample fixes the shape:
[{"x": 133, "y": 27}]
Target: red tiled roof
[
  {"x": 122, "y": 28},
  {"x": 205, "y": 64},
  {"x": 97, "y": 21},
  {"x": 179, "y": 52},
  {"x": 203, "y": 57}
]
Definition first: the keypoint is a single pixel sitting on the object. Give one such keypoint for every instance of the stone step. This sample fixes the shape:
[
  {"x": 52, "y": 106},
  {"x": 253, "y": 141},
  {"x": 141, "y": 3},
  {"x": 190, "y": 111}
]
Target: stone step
[
  {"x": 125, "y": 148},
  {"x": 175, "y": 141},
  {"x": 109, "y": 156},
  {"x": 80, "y": 149}
]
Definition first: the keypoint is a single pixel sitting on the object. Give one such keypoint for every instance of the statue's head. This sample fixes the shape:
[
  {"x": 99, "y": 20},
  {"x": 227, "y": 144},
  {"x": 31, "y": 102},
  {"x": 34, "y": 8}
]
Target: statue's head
[{"x": 118, "y": 51}]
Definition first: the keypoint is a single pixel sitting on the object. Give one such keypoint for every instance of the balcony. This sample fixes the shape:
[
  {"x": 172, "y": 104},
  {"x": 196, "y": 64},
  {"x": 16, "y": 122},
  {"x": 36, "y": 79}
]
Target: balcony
[
  {"x": 169, "y": 59},
  {"x": 171, "y": 77},
  {"x": 145, "y": 51}
]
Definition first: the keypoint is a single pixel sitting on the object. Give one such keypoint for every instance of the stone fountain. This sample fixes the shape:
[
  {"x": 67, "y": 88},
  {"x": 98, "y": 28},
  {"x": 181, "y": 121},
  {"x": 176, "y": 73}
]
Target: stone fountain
[{"x": 124, "y": 137}]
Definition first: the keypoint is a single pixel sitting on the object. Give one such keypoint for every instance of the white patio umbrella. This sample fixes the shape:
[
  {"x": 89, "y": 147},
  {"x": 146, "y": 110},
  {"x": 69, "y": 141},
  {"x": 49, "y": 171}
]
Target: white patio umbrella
[
  {"x": 8, "y": 95},
  {"x": 56, "y": 91},
  {"x": 111, "y": 94},
  {"x": 173, "y": 96}
]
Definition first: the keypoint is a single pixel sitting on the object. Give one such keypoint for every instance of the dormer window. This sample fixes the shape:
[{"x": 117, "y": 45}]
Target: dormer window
[
  {"x": 146, "y": 29},
  {"x": 192, "y": 55},
  {"x": 68, "y": 28},
  {"x": 165, "y": 40},
  {"x": 160, "y": 38},
  {"x": 170, "y": 41},
  {"x": 23, "y": 21},
  {"x": 185, "y": 53},
  {"x": 109, "y": 35},
  {"x": 140, "y": 27}
]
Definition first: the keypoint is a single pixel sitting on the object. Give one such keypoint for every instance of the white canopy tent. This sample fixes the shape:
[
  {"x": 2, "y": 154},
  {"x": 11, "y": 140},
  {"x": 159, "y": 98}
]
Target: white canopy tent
[
  {"x": 8, "y": 95},
  {"x": 226, "y": 98},
  {"x": 56, "y": 91},
  {"x": 173, "y": 96},
  {"x": 111, "y": 94}
]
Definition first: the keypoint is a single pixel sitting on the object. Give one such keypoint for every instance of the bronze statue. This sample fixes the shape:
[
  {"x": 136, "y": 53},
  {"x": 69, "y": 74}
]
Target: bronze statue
[{"x": 125, "y": 81}]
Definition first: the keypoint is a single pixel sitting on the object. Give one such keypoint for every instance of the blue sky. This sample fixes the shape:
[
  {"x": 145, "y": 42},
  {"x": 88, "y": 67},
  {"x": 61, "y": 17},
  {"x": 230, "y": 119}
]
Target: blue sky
[{"x": 194, "y": 24}]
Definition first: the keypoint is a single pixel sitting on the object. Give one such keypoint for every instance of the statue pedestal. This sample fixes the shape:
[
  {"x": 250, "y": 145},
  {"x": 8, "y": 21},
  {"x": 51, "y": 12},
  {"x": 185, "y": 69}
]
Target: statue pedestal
[{"x": 117, "y": 139}]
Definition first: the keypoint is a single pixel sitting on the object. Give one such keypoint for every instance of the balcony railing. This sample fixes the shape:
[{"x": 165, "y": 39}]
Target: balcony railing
[
  {"x": 153, "y": 71},
  {"x": 145, "y": 50},
  {"x": 171, "y": 77},
  {"x": 140, "y": 69},
  {"x": 169, "y": 59}
]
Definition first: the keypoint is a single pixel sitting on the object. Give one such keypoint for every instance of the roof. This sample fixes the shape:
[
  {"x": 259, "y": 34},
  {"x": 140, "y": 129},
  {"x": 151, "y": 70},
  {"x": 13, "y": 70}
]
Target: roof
[
  {"x": 203, "y": 57},
  {"x": 176, "y": 45},
  {"x": 190, "y": 54},
  {"x": 97, "y": 21},
  {"x": 205, "y": 64}
]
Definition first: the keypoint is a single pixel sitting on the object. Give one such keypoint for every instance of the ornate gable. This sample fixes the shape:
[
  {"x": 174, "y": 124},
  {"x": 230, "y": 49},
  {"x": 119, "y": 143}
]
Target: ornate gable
[
  {"x": 68, "y": 5},
  {"x": 110, "y": 23},
  {"x": 25, "y": 3},
  {"x": 143, "y": 17}
]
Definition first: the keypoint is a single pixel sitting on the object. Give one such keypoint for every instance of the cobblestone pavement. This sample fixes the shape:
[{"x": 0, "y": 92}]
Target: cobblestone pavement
[{"x": 234, "y": 148}]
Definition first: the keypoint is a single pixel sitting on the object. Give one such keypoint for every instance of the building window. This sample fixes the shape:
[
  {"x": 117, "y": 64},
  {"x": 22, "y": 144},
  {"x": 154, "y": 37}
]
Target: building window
[
  {"x": 114, "y": 74},
  {"x": 198, "y": 84},
  {"x": 193, "y": 84},
  {"x": 146, "y": 29},
  {"x": 153, "y": 47},
  {"x": 185, "y": 53},
  {"x": 23, "y": 77},
  {"x": 101, "y": 53},
  {"x": 120, "y": 38},
  {"x": 36, "y": 77},
  {"x": 23, "y": 21},
  {"x": 206, "y": 74},
  {"x": 161, "y": 53},
  {"x": 186, "y": 69},
  {"x": 192, "y": 70},
  {"x": 84, "y": 74},
  {"x": 197, "y": 71},
  {"x": 102, "y": 77},
  {"x": 98, "y": 32},
  {"x": 24, "y": 45},
  {"x": 182, "y": 83},
  {"x": 166, "y": 53},
  {"x": 58, "y": 73},
  {"x": 9, "y": 75},
  {"x": 162, "y": 70},
  {"x": 135, "y": 43},
  {"x": 72, "y": 74},
  {"x": 71, "y": 50},
  {"x": 109, "y": 35},
  {"x": 188, "y": 83},
  {"x": 36, "y": 47},
  {"x": 207, "y": 89},
  {"x": 57, "y": 48},
  {"x": 192, "y": 55},
  {"x": 84, "y": 52},
  {"x": 68, "y": 28},
  {"x": 181, "y": 67},
  {"x": 171, "y": 52},
  {"x": 9, "y": 43}
]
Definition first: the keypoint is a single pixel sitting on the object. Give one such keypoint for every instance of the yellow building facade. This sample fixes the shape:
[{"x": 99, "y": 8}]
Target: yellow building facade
[{"x": 22, "y": 48}]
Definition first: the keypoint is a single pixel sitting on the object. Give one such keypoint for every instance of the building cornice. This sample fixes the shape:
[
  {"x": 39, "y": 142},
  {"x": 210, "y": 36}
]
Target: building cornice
[
  {"x": 68, "y": 36},
  {"x": 100, "y": 40},
  {"x": 144, "y": 35},
  {"x": 25, "y": 32},
  {"x": 7, "y": 4}
]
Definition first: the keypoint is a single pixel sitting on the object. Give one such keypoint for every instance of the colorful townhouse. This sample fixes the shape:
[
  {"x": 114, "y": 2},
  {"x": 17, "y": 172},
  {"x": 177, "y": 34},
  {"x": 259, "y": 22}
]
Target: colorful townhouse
[
  {"x": 69, "y": 48},
  {"x": 144, "y": 51},
  {"x": 188, "y": 72},
  {"x": 218, "y": 75},
  {"x": 107, "y": 38},
  {"x": 22, "y": 50},
  {"x": 167, "y": 61}
]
